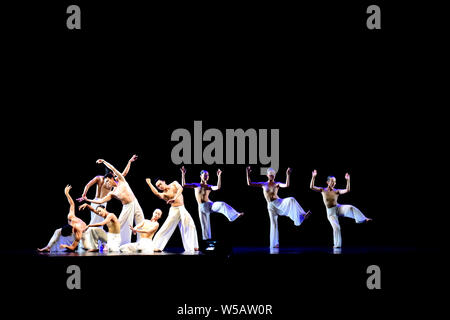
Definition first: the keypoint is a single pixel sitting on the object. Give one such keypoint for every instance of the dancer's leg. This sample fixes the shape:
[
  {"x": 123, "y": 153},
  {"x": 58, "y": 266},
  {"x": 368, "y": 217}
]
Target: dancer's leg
[
  {"x": 188, "y": 231},
  {"x": 226, "y": 210},
  {"x": 204, "y": 211},
  {"x": 165, "y": 232}
]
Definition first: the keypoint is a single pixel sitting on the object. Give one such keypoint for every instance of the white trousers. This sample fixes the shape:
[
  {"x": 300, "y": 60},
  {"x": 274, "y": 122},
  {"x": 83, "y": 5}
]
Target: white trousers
[
  {"x": 283, "y": 207},
  {"x": 92, "y": 243},
  {"x": 342, "y": 210},
  {"x": 181, "y": 217},
  {"x": 95, "y": 218},
  {"x": 114, "y": 242},
  {"x": 130, "y": 212},
  {"x": 145, "y": 245},
  {"x": 91, "y": 238},
  {"x": 57, "y": 239},
  {"x": 204, "y": 211}
]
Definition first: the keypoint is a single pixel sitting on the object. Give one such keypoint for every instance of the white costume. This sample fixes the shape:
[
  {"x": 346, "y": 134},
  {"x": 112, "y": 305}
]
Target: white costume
[
  {"x": 57, "y": 239},
  {"x": 283, "y": 207},
  {"x": 181, "y": 217},
  {"x": 342, "y": 210},
  {"x": 204, "y": 211},
  {"x": 91, "y": 238},
  {"x": 130, "y": 211},
  {"x": 92, "y": 243},
  {"x": 114, "y": 242},
  {"x": 144, "y": 245}
]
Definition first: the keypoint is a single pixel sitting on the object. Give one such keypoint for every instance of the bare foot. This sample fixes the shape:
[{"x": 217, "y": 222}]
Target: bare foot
[
  {"x": 46, "y": 249},
  {"x": 307, "y": 214},
  {"x": 240, "y": 214},
  {"x": 92, "y": 250},
  {"x": 157, "y": 250},
  {"x": 368, "y": 219},
  {"x": 195, "y": 249}
]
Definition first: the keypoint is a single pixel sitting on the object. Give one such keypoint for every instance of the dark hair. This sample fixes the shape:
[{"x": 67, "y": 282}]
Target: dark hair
[
  {"x": 159, "y": 179},
  {"x": 329, "y": 178},
  {"x": 203, "y": 171},
  {"x": 103, "y": 207},
  {"x": 66, "y": 230},
  {"x": 109, "y": 175}
]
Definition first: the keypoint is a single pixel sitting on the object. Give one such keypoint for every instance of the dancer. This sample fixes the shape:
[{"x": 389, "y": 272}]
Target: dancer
[
  {"x": 178, "y": 215},
  {"x": 277, "y": 206},
  {"x": 102, "y": 189},
  {"x": 147, "y": 229},
  {"x": 206, "y": 206},
  {"x": 77, "y": 227},
  {"x": 131, "y": 210},
  {"x": 111, "y": 221},
  {"x": 335, "y": 210}
]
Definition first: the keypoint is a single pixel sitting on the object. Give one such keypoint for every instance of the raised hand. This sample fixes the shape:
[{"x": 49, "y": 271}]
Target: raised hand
[
  {"x": 100, "y": 161},
  {"x": 347, "y": 176},
  {"x": 219, "y": 172},
  {"x": 249, "y": 169},
  {"x": 314, "y": 173},
  {"x": 133, "y": 158},
  {"x": 81, "y": 199},
  {"x": 288, "y": 171},
  {"x": 83, "y": 206},
  {"x": 149, "y": 181},
  {"x": 132, "y": 229},
  {"x": 183, "y": 170},
  {"x": 67, "y": 188}
]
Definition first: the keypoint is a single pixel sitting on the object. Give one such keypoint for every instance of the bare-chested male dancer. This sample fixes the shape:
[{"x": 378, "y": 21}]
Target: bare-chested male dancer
[
  {"x": 147, "y": 229},
  {"x": 78, "y": 226},
  {"x": 335, "y": 210},
  {"x": 206, "y": 206},
  {"x": 111, "y": 222},
  {"x": 131, "y": 210},
  {"x": 178, "y": 215},
  {"x": 277, "y": 206},
  {"x": 102, "y": 189}
]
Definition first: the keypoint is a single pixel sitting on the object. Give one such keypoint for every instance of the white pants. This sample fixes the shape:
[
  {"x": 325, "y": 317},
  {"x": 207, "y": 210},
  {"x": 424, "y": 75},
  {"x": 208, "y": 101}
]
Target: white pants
[
  {"x": 95, "y": 218},
  {"x": 181, "y": 217},
  {"x": 342, "y": 210},
  {"x": 283, "y": 207},
  {"x": 57, "y": 239},
  {"x": 204, "y": 211},
  {"x": 145, "y": 245},
  {"x": 114, "y": 242},
  {"x": 92, "y": 236},
  {"x": 131, "y": 211}
]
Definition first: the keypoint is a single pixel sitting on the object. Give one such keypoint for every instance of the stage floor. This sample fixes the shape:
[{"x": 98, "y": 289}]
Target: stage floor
[
  {"x": 294, "y": 280},
  {"x": 237, "y": 251}
]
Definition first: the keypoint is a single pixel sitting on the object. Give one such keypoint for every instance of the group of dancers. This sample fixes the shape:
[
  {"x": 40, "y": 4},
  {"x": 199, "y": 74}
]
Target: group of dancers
[{"x": 131, "y": 220}]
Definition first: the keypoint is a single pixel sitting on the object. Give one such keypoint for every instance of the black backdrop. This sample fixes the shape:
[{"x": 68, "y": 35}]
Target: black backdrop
[{"x": 345, "y": 99}]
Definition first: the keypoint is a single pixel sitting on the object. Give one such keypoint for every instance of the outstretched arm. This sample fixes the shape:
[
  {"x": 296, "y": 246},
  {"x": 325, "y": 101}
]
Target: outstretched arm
[
  {"x": 219, "y": 181},
  {"x": 107, "y": 198},
  {"x": 111, "y": 167},
  {"x": 347, "y": 189},
  {"x": 75, "y": 243},
  {"x": 71, "y": 203},
  {"x": 87, "y": 187},
  {"x": 249, "y": 182},
  {"x": 155, "y": 192},
  {"x": 313, "y": 179},
  {"x": 288, "y": 179},
  {"x": 86, "y": 205},
  {"x": 108, "y": 219},
  {"x": 127, "y": 168},
  {"x": 183, "y": 180}
]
